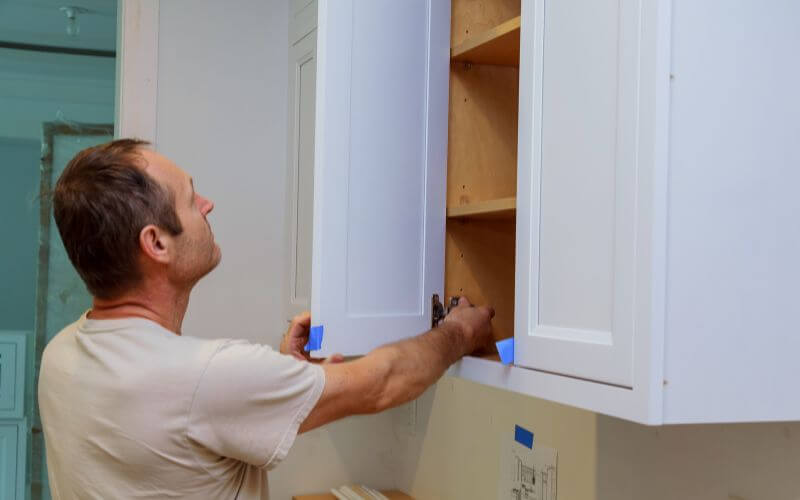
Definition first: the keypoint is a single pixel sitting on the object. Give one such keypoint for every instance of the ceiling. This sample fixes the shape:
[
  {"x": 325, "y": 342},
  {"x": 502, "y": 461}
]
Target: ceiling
[{"x": 41, "y": 22}]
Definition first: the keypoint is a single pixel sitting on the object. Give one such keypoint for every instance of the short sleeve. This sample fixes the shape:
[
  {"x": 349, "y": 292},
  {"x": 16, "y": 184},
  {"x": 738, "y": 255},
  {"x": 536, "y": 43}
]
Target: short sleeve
[{"x": 250, "y": 402}]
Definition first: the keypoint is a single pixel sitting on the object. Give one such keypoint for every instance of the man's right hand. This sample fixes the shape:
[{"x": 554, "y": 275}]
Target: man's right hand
[{"x": 474, "y": 322}]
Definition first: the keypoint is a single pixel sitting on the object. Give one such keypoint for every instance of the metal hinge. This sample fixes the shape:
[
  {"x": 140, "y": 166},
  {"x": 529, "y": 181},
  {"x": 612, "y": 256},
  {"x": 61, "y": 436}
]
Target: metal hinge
[{"x": 438, "y": 311}]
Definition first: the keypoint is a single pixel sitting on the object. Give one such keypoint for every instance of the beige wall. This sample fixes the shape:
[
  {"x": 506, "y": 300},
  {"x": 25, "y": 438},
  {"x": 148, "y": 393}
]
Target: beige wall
[
  {"x": 463, "y": 429},
  {"x": 599, "y": 457}
]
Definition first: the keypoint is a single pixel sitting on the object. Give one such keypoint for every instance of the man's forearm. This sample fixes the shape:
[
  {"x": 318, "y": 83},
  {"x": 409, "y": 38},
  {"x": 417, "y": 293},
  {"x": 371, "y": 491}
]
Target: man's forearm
[
  {"x": 414, "y": 364},
  {"x": 399, "y": 372}
]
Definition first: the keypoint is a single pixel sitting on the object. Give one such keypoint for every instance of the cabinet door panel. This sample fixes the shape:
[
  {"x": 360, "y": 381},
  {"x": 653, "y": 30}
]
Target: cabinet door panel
[
  {"x": 13, "y": 448},
  {"x": 302, "y": 93},
  {"x": 381, "y": 146},
  {"x": 577, "y": 267}
]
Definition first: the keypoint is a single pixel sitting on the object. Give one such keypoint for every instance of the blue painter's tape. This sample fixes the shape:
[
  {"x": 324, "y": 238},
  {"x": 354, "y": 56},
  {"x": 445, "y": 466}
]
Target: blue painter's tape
[
  {"x": 506, "y": 350},
  {"x": 523, "y": 436},
  {"x": 314, "y": 339}
]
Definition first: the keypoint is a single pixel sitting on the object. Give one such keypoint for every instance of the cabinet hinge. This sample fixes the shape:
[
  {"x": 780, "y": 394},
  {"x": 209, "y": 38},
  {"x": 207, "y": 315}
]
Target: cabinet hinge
[{"x": 438, "y": 311}]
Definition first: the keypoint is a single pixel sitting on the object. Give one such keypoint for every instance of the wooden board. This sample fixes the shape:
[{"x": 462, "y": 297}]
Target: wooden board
[
  {"x": 470, "y": 17},
  {"x": 503, "y": 208},
  {"x": 391, "y": 494},
  {"x": 482, "y": 133},
  {"x": 498, "y": 45},
  {"x": 479, "y": 264}
]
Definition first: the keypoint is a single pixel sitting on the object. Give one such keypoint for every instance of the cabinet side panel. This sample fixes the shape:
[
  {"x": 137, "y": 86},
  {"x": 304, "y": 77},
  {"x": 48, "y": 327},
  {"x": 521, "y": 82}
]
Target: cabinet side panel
[
  {"x": 734, "y": 239},
  {"x": 471, "y": 17},
  {"x": 482, "y": 133},
  {"x": 479, "y": 264}
]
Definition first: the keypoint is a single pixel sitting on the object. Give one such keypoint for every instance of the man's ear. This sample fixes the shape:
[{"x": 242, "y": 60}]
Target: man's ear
[{"x": 155, "y": 243}]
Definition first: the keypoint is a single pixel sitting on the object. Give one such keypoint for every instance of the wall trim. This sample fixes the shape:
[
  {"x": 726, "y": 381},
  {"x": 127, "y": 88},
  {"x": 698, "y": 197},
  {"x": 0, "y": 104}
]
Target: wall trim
[{"x": 137, "y": 69}]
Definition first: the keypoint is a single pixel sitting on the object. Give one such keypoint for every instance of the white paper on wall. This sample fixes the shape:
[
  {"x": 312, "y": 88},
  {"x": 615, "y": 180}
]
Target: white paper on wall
[{"x": 527, "y": 473}]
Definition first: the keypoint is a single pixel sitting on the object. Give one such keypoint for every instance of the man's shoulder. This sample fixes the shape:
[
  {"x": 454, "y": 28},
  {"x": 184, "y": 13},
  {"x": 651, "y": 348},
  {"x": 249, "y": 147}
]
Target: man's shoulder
[
  {"x": 61, "y": 337},
  {"x": 135, "y": 336}
]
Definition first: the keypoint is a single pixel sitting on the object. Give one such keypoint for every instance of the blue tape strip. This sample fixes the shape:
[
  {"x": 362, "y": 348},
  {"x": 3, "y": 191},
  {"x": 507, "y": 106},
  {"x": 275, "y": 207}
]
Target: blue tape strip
[
  {"x": 314, "y": 339},
  {"x": 523, "y": 436},
  {"x": 506, "y": 350}
]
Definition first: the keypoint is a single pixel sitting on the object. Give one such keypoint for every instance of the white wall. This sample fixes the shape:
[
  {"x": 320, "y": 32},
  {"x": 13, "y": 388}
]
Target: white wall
[{"x": 222, "y": 116}]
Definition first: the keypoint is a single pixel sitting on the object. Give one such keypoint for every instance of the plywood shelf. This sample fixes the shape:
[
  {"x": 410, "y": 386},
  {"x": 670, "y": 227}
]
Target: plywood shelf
[
  {"x": 503, "y": 208},
  {"x": 497, "y": 46}
]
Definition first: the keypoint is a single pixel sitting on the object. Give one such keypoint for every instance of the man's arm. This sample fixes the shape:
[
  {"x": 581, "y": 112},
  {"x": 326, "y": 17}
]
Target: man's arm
[{"x": 396, "y": 373}]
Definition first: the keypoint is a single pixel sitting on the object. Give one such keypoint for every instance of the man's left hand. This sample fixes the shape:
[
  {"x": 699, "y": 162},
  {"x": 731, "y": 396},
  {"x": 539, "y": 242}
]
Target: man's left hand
[{"x": 296, "y": 338}]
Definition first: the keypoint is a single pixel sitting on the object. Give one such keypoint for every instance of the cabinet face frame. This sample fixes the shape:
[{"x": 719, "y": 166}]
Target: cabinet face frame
[{"x": 643, "y": 401}]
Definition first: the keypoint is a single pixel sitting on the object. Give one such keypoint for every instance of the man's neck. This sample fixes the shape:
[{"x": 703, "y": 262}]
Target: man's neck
[{"x": 163, "y": 305}]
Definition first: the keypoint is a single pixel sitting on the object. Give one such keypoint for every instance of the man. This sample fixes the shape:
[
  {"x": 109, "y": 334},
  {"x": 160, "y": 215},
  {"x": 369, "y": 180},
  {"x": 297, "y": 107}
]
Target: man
[{"x": 133, "y": 409}]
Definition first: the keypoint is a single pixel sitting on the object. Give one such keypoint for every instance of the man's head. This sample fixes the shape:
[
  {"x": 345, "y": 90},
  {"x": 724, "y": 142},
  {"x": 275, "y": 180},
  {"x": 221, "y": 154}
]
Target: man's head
[{"x": 126, "y": 213}]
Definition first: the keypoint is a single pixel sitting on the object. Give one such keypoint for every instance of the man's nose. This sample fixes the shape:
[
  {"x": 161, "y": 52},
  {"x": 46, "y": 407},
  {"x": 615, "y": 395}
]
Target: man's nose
[{"x": 206, "y": 205}]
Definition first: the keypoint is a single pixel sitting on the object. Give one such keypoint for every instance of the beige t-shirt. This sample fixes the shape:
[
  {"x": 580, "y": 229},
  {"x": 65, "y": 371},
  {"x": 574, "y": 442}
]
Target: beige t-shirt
[{"x": 131, "y": 410}]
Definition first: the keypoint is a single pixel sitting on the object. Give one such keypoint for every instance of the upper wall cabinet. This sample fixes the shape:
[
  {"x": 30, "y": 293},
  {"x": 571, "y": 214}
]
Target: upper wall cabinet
[{"x": 617, "y": 178}]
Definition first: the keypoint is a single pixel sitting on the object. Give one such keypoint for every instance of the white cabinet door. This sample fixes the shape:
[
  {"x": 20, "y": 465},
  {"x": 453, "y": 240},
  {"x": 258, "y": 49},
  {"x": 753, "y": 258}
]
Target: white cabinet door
[
  {"x": 379, "y": 176},
  {"x": 577, "y": 190},
  {"x": 300, "y": 175}
]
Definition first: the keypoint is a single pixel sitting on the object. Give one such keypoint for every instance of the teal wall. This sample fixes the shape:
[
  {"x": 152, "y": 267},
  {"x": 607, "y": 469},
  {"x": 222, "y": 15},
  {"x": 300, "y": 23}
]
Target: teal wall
[{"x": 19, "y": 212}]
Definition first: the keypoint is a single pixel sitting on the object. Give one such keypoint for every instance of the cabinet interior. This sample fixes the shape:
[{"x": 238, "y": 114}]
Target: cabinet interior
[{"x": 482, "y": 157}]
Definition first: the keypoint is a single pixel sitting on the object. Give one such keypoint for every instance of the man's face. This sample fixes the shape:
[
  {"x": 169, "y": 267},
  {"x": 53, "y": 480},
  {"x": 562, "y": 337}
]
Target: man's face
[{"x": 196, "y": 251}]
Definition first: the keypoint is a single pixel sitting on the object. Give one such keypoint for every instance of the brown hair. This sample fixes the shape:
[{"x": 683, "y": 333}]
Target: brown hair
[{"x": 101, "y": 202}]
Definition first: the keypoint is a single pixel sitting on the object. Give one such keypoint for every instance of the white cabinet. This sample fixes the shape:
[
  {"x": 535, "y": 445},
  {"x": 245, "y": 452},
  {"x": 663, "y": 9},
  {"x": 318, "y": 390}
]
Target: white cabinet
[{"x": 651, "y": 270}]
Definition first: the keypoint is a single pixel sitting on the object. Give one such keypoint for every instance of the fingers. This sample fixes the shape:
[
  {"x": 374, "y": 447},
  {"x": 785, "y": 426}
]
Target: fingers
[
  {"x": 302, "y": 319},
  {"x": 464, "y": 302}
]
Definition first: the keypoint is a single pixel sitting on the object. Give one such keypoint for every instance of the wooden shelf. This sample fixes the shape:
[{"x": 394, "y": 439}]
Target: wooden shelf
[
  {"x": 498, "y": 46},
  {"x": 503, "y": 208}
]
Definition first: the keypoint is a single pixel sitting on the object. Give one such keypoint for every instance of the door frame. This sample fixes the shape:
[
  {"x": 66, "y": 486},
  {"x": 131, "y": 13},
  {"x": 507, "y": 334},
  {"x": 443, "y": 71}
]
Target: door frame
[{"x": 137, "y": 69}]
